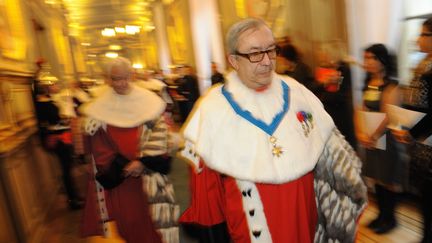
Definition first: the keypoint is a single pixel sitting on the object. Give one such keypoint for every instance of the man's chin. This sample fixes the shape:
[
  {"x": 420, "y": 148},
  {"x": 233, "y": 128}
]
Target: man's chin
[
  {"x": 123, "y": 92},
  {"x": 265, "y": 79}
]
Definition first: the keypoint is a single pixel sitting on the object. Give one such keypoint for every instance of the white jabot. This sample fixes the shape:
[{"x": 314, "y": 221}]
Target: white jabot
[
  {"x": 133, "y": 109},
  {"x": 231, "y": 145}
]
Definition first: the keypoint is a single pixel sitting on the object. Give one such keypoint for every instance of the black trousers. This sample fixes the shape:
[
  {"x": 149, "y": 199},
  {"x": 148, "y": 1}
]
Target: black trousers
[
  {"x": 208, "y": 234},
  {"x": 64, "y": 153},
  {"x": 426, "y": 200}
]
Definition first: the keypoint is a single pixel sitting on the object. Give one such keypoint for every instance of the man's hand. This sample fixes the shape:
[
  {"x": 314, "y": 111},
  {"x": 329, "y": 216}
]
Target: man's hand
[
  {"x": 402, "y": 136},
  {"x": 332, "y": 78},
  {"x": 366, "y": 141},
  {"x": 133, "y": 168}
]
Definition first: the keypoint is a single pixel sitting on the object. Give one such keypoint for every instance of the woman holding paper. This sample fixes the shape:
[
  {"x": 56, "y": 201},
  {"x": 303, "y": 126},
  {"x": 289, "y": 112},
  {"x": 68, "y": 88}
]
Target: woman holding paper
[
  {"x": 381, "y": 164},
  {"x": 420, "y": 99}
]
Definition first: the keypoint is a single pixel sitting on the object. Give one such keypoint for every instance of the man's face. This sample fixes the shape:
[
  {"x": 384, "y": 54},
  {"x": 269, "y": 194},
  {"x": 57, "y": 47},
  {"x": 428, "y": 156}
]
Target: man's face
[
  {"x": 258, "y": 74},
  {"x": 213, "y": 68},
  {"x": 119, "y": 80},
  {"x": 54, "y": 88}
]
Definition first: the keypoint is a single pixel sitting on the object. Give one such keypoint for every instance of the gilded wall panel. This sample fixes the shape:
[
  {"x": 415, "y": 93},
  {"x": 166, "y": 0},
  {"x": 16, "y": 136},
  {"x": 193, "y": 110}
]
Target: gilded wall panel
[
  {"x": 16, "y": 103},
  {"x": 22, "y": 103},
  {"x": 48, "y": 172},
  {"x": 12, "y": 31},
  {"x": 306, "y": 23},
  {"x": 6, "y": 113},
  {"x": 21, "y": 185},
  {"x": 32, "y": 185},
  {"x": 7, "y": 233},
  {"x": 179, "y": 33}
]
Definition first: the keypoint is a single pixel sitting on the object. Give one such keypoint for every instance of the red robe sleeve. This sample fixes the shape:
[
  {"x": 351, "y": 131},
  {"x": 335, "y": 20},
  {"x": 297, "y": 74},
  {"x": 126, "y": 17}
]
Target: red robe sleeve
[{"x": 206, "y": 206}]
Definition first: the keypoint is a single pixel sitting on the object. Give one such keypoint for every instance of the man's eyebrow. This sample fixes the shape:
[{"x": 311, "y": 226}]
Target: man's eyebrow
[{"x": 258, "y": 48}]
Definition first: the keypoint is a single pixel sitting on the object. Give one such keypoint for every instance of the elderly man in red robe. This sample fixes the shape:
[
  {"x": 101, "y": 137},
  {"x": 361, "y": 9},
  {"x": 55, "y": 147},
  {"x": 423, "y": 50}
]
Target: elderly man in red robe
[
  {"x": 267, "y": 159},
  {"x": 116, "y": 121}
]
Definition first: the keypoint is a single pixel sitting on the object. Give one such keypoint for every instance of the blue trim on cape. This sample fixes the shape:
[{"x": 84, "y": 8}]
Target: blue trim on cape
[{"x": 268, "y": 128}]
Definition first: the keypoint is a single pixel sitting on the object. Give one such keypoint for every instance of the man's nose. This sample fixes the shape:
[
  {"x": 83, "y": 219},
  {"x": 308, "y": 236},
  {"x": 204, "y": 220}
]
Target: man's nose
[
  {"x": 266, "y": 59},
  {"x": 122, "y": 82}
]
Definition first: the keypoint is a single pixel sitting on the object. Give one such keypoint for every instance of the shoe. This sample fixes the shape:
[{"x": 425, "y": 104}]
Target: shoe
[
  {"x": 426, "y": 239},
  {"x": 385, "y": 227},
  {"x": 374, "y": 223},
  {"x": 75, "y": 204}
]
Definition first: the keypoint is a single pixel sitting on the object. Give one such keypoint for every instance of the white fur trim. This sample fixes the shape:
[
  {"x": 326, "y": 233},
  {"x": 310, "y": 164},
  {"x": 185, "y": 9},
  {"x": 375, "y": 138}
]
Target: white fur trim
[
  {"x": 232, "y": 145},
  {"x": 101, "y": 202},
  {"x": 254, "y": 212},
  {"x": 131, "y": 110},
  {"x": 91, "y": 126},
  {"x": 189, "y": 153}
]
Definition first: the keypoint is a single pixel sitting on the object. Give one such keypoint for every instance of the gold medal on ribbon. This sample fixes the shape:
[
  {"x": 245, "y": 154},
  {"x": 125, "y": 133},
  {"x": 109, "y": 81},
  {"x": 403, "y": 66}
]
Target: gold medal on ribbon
[{"x": 277, "y": 150}]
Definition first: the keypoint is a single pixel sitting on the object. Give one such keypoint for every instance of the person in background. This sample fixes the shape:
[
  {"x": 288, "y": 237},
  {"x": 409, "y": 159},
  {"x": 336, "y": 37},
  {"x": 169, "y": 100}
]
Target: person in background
[
  {"x": 333, "y": 87},
  {"x": 256, "y": 148},
  {"x": 187, "y": 90},
  {"x": 382, "y": 165},
  {"x": 56, "y": 136},
  {"x": 79, "y": 97},
  {"x": 35, "y": 80},
  {"x": 118, "y": 125},
  {"x": 216, "y": 76},
  {"x": 420, "y": 99},
  {"x": 289, "y": 63},
  {"x": 146, "y": 80}
]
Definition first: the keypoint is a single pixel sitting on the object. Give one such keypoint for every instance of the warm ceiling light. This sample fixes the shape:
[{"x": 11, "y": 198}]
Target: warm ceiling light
[
  {"x": 108, "y": 32},
  {"x": 111, "y": 54},
  {"x": 150, "y": 27},
  {"x": 137, "y": 66},
  {"x": 85, "y": 44},
  {"x": 132, "y": 29},
  {"x": 75, "y": 25},
  {"x": 120, "y": 29},
  {"x": 115, "y": 47}
]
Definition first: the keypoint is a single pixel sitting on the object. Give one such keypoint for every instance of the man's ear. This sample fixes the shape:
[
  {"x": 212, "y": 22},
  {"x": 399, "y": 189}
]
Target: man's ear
[
  {"x": 108, "y": 81},
  {"x": 232, "y": 59}
]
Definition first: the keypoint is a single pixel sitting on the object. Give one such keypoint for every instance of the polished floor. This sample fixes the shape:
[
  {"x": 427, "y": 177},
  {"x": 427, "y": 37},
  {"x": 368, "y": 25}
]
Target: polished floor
[{"x": 63, "y": 225}]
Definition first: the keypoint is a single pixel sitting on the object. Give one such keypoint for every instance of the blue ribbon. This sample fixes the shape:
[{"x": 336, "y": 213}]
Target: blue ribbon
[{"x": 268, "y": 128}]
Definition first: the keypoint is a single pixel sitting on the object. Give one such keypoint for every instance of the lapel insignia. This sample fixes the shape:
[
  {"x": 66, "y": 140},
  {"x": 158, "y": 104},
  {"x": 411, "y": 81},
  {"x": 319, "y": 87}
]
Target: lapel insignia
[{"x": 306, "y": 121}]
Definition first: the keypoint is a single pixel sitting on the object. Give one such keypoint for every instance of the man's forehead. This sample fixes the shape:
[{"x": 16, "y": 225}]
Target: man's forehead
[
  {"x": 118, "y": 71},
  {"x": 256, "y": 38}
]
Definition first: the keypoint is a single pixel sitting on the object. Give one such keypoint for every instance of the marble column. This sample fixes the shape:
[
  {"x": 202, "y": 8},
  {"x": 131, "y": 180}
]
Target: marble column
[
  {"x": 207, "y": 41},
  {"x": 161, "y": 37}
]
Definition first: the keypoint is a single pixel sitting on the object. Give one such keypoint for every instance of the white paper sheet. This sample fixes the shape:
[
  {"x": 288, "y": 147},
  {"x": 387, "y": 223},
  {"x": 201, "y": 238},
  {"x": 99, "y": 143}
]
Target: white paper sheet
[
  {"x": 401, "y": 117},
  {"x": 371, "y": 121},
  {"x": 428, "y": 141}
]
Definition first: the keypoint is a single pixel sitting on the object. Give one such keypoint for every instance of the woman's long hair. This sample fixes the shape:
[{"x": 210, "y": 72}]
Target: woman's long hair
[{"x": 387, "y": 59}]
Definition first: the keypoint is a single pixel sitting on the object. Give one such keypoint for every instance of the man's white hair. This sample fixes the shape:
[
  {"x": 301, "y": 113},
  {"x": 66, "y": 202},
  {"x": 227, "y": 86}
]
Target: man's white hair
[
  {"x": 119, "y": 62},
  {"x": 239, "y": 28}
]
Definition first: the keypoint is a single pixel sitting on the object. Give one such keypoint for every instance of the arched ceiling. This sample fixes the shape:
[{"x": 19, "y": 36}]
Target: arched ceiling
[{"x": 87, "y": 19}]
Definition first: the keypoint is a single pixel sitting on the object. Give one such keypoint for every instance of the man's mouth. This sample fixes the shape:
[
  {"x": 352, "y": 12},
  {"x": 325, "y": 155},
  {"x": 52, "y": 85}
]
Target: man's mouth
[{"x": 265, "y": 72}]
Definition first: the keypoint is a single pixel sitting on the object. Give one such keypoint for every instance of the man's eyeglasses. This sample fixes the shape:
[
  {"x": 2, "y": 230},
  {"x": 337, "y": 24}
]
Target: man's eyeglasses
[
  {"x": 425, "y": 34},
  {"x": 259, "y": 55},
  {"x": 118, "y": 78}
]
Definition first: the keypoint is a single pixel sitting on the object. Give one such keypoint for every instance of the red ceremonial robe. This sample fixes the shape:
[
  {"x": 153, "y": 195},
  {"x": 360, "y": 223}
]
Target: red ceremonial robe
[
  {"x": 289, "y": 208},
  {"x": 127, "y": 203}
]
